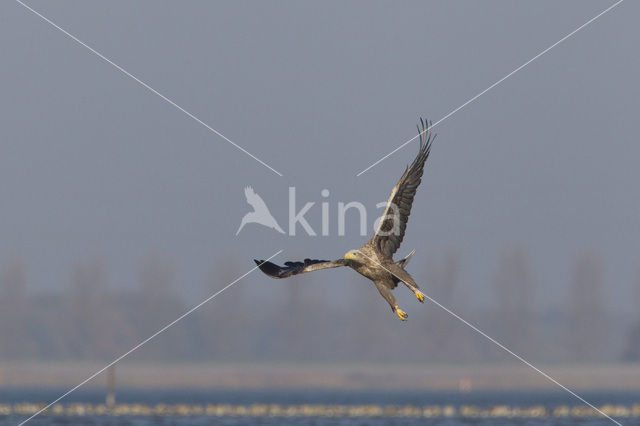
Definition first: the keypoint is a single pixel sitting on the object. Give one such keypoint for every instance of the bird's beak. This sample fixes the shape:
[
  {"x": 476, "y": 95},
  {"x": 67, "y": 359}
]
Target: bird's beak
[{"x": 347, "y": 255}]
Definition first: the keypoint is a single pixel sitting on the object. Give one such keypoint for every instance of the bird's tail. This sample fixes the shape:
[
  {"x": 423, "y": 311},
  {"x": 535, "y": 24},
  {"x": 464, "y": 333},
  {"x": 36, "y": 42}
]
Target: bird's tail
[
  {"x": 244, "y": 222},
  {"x": 407, "y": 258},
  {"x": 277, "y": 227}
]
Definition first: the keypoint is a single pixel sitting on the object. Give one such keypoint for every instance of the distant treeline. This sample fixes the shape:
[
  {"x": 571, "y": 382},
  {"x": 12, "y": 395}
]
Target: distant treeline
[{"x": 295, "y": 321}]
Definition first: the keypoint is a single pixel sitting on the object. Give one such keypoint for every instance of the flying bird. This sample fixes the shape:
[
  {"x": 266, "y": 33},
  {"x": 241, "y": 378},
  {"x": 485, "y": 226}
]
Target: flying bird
[
  {"x": 260, "y": 213},
  {"x": 374, "y": 260}
]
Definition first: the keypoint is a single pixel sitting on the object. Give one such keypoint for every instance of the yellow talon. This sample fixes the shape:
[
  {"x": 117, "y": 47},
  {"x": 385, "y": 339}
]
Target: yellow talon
[
  {"x": 401, "y": 314},
  {"x": 419, "y": 295}
]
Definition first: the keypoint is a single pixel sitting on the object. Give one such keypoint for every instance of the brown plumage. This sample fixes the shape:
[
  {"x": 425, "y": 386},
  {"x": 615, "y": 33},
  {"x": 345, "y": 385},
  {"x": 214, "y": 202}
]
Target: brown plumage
[{"x": 374, "y": 260}]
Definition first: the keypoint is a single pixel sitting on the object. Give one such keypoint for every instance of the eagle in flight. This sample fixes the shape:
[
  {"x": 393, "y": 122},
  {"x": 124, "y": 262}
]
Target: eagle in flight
[{"x": 374, "y": 260}]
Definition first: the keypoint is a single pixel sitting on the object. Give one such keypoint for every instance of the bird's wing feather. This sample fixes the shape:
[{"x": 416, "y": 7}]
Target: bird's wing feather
[
  {"x": 387, "y": 239},
  {"x": 295, "y": 268},
  {"x": 254, "y": 200}
]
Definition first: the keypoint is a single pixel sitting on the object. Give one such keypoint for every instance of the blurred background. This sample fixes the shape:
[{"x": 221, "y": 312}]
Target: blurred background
[{"x": 118, "y": 212}]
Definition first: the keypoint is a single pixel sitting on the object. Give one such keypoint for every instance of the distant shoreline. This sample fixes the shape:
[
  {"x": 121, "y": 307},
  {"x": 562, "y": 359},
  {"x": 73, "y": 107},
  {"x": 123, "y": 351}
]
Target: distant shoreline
[
  {"x": 322, "y": 410},
  {"x": 316, "y": 375}
]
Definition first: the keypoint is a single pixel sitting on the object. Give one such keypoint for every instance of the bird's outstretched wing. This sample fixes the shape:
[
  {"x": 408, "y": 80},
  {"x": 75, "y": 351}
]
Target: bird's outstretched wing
[
  {"x": 295, "y": 268},
  {"x": 391, "y": 228},
  {"x": 254, "y": 200}
]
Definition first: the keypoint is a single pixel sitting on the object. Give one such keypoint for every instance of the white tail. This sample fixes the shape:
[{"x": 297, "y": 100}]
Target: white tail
[{"x": 404, "y": 261}]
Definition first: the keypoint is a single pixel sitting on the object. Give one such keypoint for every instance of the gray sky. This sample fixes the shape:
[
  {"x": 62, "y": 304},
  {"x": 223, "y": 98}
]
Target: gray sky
[{"x": 93, "y": 164}]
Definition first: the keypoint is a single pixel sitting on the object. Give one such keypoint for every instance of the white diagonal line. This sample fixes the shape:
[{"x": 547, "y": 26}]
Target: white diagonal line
[
  {"x": 146, "y": 86},
  {"x": 501, "y": 346},
  {"x": 496, "y": 83},
  {"x": 142, "y": 343}
]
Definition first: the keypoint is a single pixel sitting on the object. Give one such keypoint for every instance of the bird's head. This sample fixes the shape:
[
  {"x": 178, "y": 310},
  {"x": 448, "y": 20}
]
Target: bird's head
[{"x": 353, "y": 255}]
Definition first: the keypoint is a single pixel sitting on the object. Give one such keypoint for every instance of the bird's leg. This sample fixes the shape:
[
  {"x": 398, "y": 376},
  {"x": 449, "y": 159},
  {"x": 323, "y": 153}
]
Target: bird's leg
[
  {"x": 408, "y": 280},
  {"x": 391, "y": 299}
]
